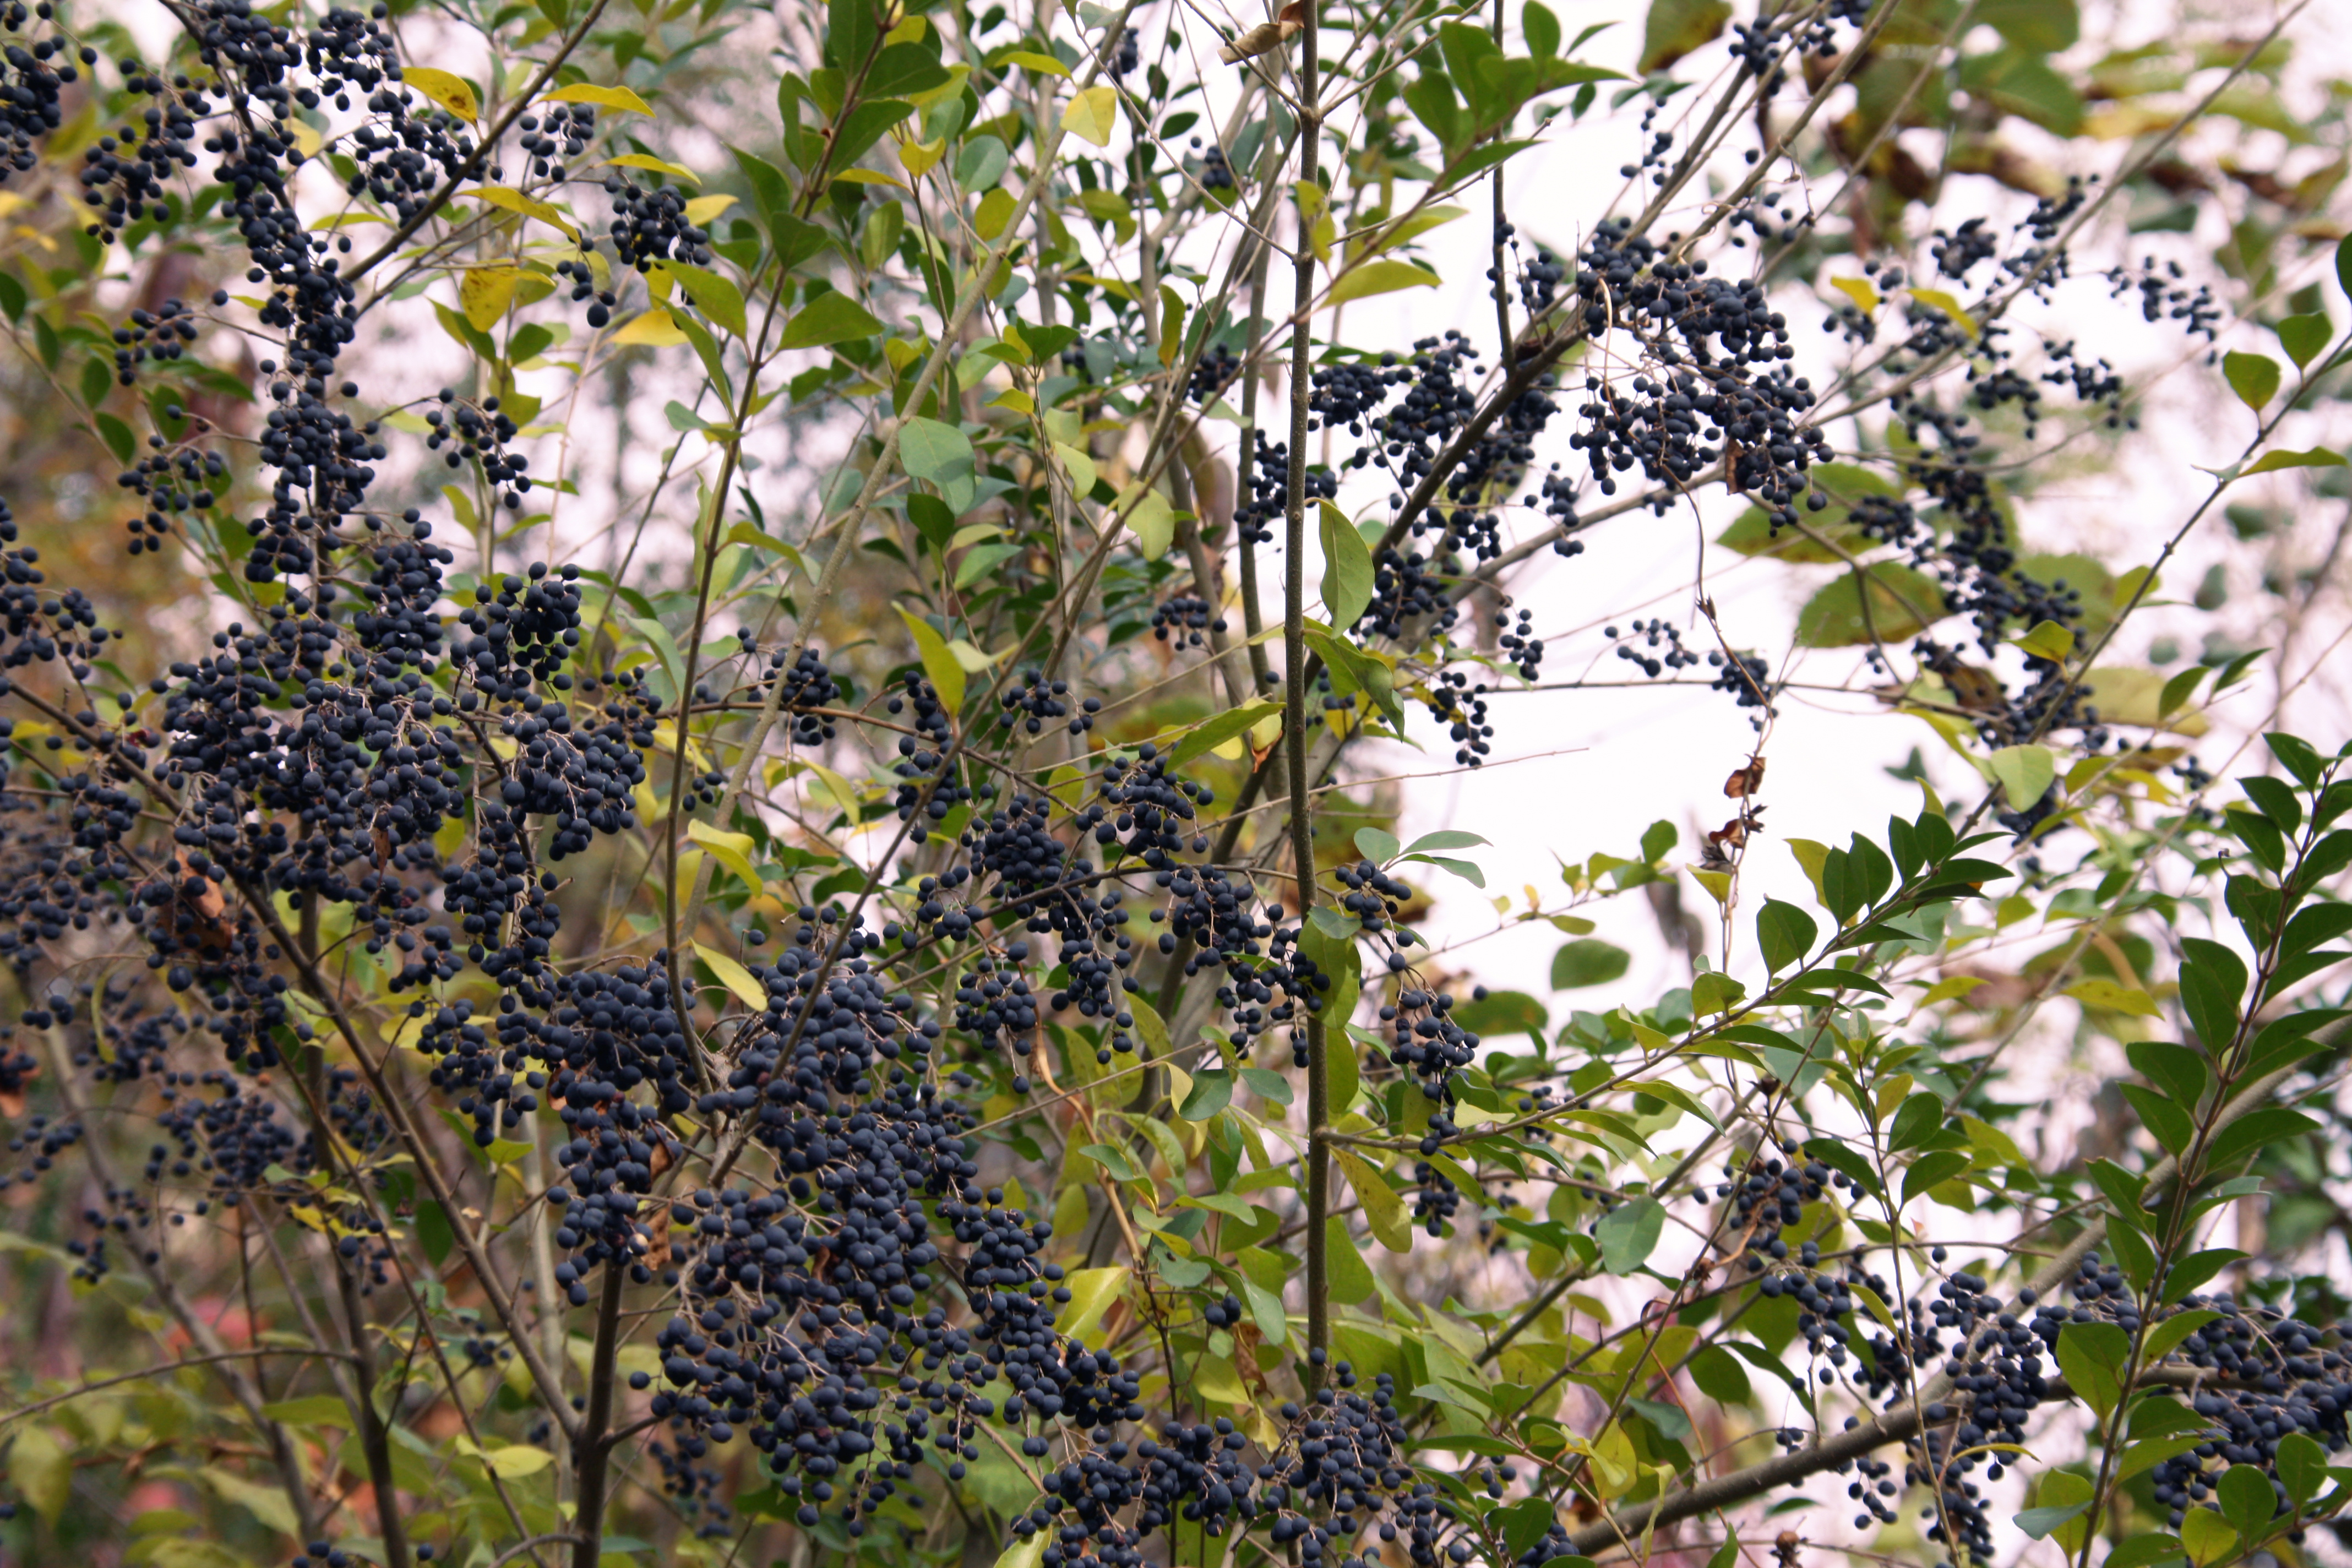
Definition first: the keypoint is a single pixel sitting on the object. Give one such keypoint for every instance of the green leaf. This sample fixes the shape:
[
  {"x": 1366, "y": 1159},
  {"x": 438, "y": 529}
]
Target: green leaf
[
  {"x": 40, "y": 1472},
  {"x": 713, "y": 294},
  {"x": 2247, "y": 1501},
  {"x": 2253, "y": 1131},
  {"x": 933, "y": 451},
  {"x": 1211, "y": 1093},
  {"x": 2253, "y": 377},
  {"x": 2025, "y": 774},
  {"x": 1376, "y": 846},
  {"x": 1541, "y": 28},
  {"x": 2271, "y": 462},
  {"x": 830, "y": 318},
  {"x": 1902, "y": 602},
  {"x": 1504, "y": 1012},
  {"x": 1932, "y": 1169},
  {"x": 1381, "y": 277},
  {"x": 312, "y": 1410},
  {"x": 1719, "y": 1375},
  {"x": 2344, "y": 265},
  {"x": 434, "y": 1233},
  {"x": 1210, "y": 733},
  {"x": 1588, "y": 961},
  {"x": 2302, "y": 1467},
  {"x": 2038, "y": 1522},
  {"x": 1468, "y": 870},
  {"x": 2207, "y": 1537},
  {"x": 2036, "y": 26},
  {"x": 2146, "y": 1551},
  {"x": 2090, "y": 1356},
  {"x": 1445, "y": 838},
  {"x": 1675, "y": 28},
  {"x": 1351, "y": 1277},
  {"x": 1629, "y": 1233},
  {"x": 1784, "y": 932},
  {"x": 939, "y": 663},
  {"x": 2303, "y": 337},
  {"x": 1347, "y": 567}
]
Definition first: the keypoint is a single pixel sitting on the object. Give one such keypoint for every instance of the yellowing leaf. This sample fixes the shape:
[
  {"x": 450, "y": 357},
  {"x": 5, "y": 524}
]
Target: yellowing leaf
[
  {"x": 1380, "y": 278},
  {"x": 733, "y": 975},
  {"x": 1080, "y": 465},
  {"x": 939, "y": 663},
  {"x": 40, "y": 1472},
  {"x": 451, "y": 92},
  {"x": 654, "y": 328},
  {"x": 658, "y": 165},
  {"x": 484, "y": 292},
  {"x": 2271, "y": 462},
  {"x": 702, "y": 209},
  {"x": 2025, "y": 773},
  {"x": 1093, "y": 115},
  {"x": 1383, "y": 1210},
  {"x": 868, "y": 177},
  {"x": 995, "y": 211},
  {"x": 619, "y": 98},
  {"x": 1858, "y": 289},
  {"x": 1153, "y": 519},
  {"x": 507, "y": 1463},
  {"x": 516, "y": 202},
  {"x": 1092, "y": 1292},
  {"x": 2106, "y": 996}
]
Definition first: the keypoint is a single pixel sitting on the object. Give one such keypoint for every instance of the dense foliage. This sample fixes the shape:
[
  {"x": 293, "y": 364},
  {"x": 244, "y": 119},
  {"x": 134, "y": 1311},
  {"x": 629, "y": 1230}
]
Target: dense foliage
[{"x": 891, "y": 1019}]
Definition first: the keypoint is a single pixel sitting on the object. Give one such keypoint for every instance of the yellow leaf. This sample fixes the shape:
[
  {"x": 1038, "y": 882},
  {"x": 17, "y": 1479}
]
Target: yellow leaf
[
  {"x": 868, "y": 177},
  {"x": 1935, "y": 298},
  {"x": 919, "y": 158},
  {"x": 1031, "y": 61},
  {"x": 485, "y": 293},
  {"x": 451, "y": 92},
  {"x": 1014, "y": 399},
  {"x": 516, "y": 202},
  {"x": 654, "y": 328},
  {"x": 733, "y": 850},
  {"x": 702, "y": 209},
  {"x": 734, "y": 976},
  {"x": 307, "y": 138},
  {"x": 658, "y": 165},
  {"x": 1380, "y": 278},
  {"x": 1858, "y": 289},
  {"x": 619, "y": 98},
  {"x": 1093, "y": 115},
  {"x": 507, "y": 1463}
]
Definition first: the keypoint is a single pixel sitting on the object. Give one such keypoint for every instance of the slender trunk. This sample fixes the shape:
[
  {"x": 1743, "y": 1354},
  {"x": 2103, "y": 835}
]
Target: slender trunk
[
  {"x": 593, "y": 1454},
  {"x": 1294, "y": 723}
]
